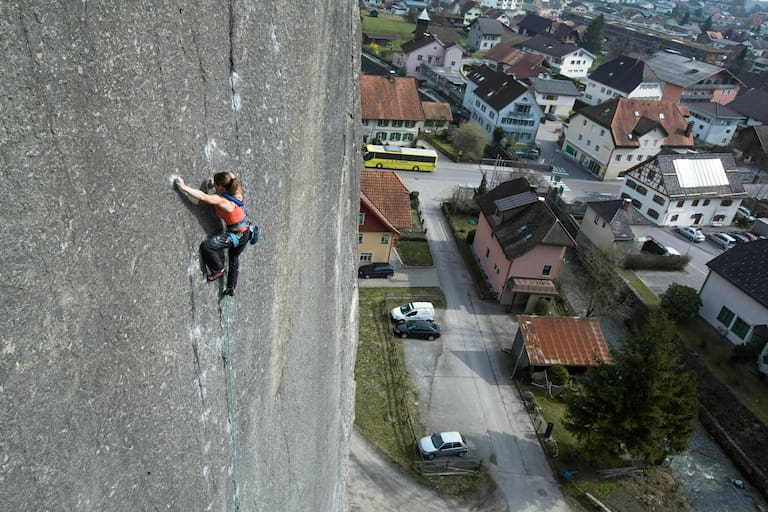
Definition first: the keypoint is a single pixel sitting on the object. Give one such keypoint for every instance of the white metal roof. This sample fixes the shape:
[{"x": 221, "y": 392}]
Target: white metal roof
[{"x": 707, "y": 172}]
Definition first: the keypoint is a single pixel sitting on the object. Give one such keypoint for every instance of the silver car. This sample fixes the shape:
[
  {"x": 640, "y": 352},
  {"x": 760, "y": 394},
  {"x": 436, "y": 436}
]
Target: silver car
[
  {"x": 722, "y": 240},
  {"x": 442, "y": 444},
  {"x": 691, "y": 233}
]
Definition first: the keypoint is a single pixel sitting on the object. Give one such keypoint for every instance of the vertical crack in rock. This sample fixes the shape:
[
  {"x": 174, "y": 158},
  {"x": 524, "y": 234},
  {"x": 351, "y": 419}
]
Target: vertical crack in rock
[
  {"x": 203, "y": 79},
  {"x": 233, "y": 77}
]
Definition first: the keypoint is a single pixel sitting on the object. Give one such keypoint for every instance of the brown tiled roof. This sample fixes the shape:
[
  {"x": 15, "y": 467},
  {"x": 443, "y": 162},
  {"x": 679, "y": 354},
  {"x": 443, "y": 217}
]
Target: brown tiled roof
[
  {"x": 434, "y": 111},
  {"x": 390, "y": 98},
  {"x": 387, "y": 191},
  {"x": 629, "y": 118},
  {"x": 367, "y": 206},
  {"x": 566, "y": 341}
]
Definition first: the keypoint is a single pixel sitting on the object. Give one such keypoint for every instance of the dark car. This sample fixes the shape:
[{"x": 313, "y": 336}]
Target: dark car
[
  {"x": 740, "y": 237},
  {"x": 529, "y": 153},
  {"x": 654, "y": 247},
  {"x": 550, "y": 116},
  {"x": 417, "y": 329},
  {"x": 376, "y": 270}
]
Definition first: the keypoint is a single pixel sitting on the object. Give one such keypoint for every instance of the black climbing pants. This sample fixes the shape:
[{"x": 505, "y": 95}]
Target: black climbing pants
[{"x": 210, "y": 251}]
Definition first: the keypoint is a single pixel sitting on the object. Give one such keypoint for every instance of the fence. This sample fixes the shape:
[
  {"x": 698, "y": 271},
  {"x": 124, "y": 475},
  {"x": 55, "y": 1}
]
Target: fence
[{"x": 449, "y": 466}]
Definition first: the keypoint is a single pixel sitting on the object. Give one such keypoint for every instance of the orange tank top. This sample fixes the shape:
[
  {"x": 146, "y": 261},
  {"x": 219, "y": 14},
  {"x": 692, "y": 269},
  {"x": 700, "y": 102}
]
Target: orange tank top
[{"x": 235, "y": 219}]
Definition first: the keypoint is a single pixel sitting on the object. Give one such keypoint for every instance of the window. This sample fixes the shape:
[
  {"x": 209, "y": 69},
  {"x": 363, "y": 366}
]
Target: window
[
  {"x": 382, "y": 122},
  {"x": 631, "y": 184},
  {"x": 642, "y": 190},
  {"x": 706, "y": 202},
  {"x": 584, "y": 123},
  {"x": 740, "y": 328},
  {"x": 523, "y": 109},
  {"x": 429, "y": 60},
  {"x": 365, "y": 122},
  {"x": 384, "y": 238},
  {"x": 726, "y": 202},
  {"x": 394, "y": 136},
  {"x": 482, "y": 108},
  {"x": 589, "y": 142},
  {"x": 410, "y": 124},
  {"x": 718, "y": 218},
  {"x": 359, "y": 238},
  {"x": 397, "y": 123},
  {"x": 381, "y": 135},
  {"x": 366, "y": 257},
  {"x": 695, "y": 202},
  {"x": 408, "y": 136},
  {"x": 487, "y": 252},
  {"x": 597, "y": 148},
  {"x": 673, "y": 218},
  {"x": 602, "y": 132},
  {"x": 679, "y": 204},
  {"x": 725, "y": 316},
  {"x": 580, "y": 137},
  {"x": 637, "y": 204},
  {"x": 653, "y": 213},
  {"x": 546, "y": 270},
  {"x": 492, "y": 115},
  {"x": 618, "y": 158},
  {"x": 477, "y": 103},
  {"x": 597, "y": 218},
  {"x": 658, "y": 199},
  {"x": 420, "y": 58},
  {"x": 361, "y": 217},
  {"x": 639, "y": 158}
]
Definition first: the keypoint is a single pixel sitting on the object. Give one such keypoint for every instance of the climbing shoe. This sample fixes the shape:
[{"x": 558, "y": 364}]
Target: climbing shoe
[
  {"x": 229, "y": 291},
  {"x": 215, "y": 275}
]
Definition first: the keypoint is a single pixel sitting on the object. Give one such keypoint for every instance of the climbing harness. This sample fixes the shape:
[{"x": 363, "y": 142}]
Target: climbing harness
[{"x": 245, "y": 222}]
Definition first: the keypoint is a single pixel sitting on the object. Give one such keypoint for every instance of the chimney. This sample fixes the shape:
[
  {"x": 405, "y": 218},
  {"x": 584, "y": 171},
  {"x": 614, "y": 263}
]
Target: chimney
[
  {"x": 688, "y": 129},
  {"x": 626, "y": 204}
]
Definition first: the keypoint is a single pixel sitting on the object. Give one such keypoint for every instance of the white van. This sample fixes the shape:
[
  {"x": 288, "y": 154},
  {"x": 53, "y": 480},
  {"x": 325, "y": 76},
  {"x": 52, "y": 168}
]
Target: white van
[{"x": 413, "y": 311}]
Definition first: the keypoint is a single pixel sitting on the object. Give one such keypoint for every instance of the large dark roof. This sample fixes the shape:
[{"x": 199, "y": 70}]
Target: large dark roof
[
  {"x": 752, "y": 104},
  {"x": 745, "y": 266},
  {"x": 534, "y": 24},
  {"x": 623, "y": 74},
  {"x": 496, "y": 88},
  {"x": 558, "y": 87},
  {"x": 550, "y": 46},
  {"x": 521, "y": 222},
  {"x": 414, "y": 44}
]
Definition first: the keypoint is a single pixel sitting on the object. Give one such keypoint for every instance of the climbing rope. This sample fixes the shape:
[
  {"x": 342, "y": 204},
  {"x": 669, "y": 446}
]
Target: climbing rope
[{"x": 231, "y": 392}]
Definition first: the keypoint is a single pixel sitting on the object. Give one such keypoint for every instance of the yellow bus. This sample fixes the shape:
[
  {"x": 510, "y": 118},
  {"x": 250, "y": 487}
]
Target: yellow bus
[{"x": 395, "y": 157}]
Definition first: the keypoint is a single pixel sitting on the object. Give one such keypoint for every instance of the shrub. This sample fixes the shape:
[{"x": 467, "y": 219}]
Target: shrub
[
  {"x": 746, "y": 352},
  {"x": 680, "y": 302},
  {"x": 542, "y": 307},
  {"x": 558, "y": 374}
]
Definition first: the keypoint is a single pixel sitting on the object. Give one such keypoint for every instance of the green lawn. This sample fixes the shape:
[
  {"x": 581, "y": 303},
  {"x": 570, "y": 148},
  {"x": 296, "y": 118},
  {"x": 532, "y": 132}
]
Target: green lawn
[
  {"x": 646, "y": 295},
  {"x": 385, "y": 403},
  {"x": 462, "y": 225},
  {"x": 414, "y": 252},
  {"x": 389, "y": 24}
]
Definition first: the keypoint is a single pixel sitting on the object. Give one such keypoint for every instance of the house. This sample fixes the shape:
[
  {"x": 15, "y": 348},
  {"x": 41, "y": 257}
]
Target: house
[
  {"x": 609, "y": 225},
  {"x": 450, "y": 84},
  {"x": 618, "y": 134},
  {"x": 470, "y": 11},
  {"x": 713, "y": 123},
  {"x": 384, "y": 211},
  {"x": 484, "y": 34},
  {"x": 515, "y": 62},
  {"x": 565, "y": 58},
  {"x": 542, "y": 342},
  {"x": 534, "y": 25},
  {"x": 391, "y": 109},
  {"x": 426, "y": 48},
  {"x": 437, "y": 116},
  {"x": 519, "y": 244},
  {"x": 498, "y": 15},
  {"x": 622, "y": 77},
  {"x": 496, "y": 100},
  {"x": 687, "y": 79},
  {"x": 691, "y": 189},
  {"x": 753, "y": 105},
  {"x": 556, "y": 96},
  {"x": 753, "y": 142},
  {"x": 734, "y": 297}
]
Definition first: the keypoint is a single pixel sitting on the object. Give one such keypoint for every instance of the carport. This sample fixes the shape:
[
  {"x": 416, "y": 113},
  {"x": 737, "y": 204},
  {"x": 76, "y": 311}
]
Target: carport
[{"x": 525, "y": 292}]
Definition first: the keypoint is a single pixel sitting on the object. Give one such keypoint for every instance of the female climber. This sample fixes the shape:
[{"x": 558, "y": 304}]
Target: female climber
[{"x": 228, "y": 204}]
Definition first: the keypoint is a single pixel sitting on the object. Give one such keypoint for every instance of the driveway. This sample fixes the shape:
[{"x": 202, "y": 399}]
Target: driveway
[{"x": 463, "y": 383}]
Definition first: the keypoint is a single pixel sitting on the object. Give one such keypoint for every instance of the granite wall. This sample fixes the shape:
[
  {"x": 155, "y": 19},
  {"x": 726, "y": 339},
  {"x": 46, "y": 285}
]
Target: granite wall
[{"x": 126, "y": 381}]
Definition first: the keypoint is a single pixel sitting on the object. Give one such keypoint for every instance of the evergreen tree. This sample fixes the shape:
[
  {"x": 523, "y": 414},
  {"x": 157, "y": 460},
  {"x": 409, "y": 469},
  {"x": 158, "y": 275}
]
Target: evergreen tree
[
  {"x": 680, "y": 302},
  {"x": 593, "y": 36},
  {"x": 643, "y": 402},
  {"x": 707, "y": 25},
  {"x": 686, "y": 18}
]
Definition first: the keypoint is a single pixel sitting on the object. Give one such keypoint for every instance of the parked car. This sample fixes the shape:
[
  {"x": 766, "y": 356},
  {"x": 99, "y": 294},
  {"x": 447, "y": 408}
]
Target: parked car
[
  {"x": 529, "y": 153},
  {"x": 743, "y": 212},
  {"x": 417, "y": 329},
  {"x": 550, "y": 116},
  {"x": 376, "y": 270},
  {"x": 413, "y": 311},
  {"x": 722, "y": 240},
  {"x": 654, "y": 247},
  {"x": 740, "y": 237},
  {"x": 443, "y": 444},
  {"x": 752, "y": 237},
  {"x": 690, "y": 233}
]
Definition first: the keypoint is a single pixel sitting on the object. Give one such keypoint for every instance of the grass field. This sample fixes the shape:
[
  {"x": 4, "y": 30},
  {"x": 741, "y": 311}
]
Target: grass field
[
  {"x": 389, "y": 24},
  {"x": 414, "y": 252}
]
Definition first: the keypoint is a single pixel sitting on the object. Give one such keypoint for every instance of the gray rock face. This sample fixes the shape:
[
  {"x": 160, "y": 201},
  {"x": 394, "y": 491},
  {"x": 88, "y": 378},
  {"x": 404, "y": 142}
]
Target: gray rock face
[{"x": 126, "y": 383}]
